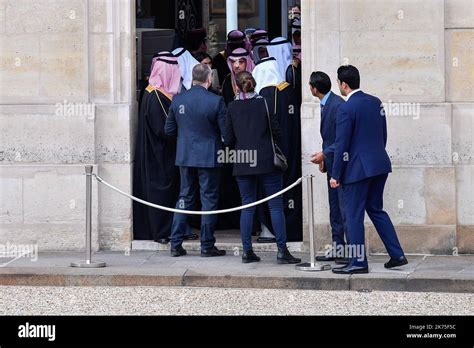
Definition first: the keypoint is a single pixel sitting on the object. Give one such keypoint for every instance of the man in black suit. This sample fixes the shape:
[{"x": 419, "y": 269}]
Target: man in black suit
[
  {"x": 197, "y": 117},
  {"x": 320, "y": 86}
]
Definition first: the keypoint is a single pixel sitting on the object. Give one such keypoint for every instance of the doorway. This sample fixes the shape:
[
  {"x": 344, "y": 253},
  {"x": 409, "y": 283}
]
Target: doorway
[{"x": 162, "y": 26}]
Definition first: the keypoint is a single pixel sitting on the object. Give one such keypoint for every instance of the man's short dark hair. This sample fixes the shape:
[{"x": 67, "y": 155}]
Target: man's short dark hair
[
  {"x": 320, "y": 81},
  {"x": 201, "y": 73},
  {"x": 350, "y": 75}
]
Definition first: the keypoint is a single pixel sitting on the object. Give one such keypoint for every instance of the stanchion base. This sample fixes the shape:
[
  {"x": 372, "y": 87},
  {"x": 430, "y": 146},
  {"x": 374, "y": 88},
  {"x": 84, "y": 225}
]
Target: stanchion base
[
  {"x": 88, "y": 264},
  {"x": 306, "y": 266}
]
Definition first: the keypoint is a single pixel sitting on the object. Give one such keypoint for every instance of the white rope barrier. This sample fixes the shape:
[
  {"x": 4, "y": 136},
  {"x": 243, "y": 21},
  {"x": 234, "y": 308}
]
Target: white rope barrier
[{"x": 194, "y": 212}]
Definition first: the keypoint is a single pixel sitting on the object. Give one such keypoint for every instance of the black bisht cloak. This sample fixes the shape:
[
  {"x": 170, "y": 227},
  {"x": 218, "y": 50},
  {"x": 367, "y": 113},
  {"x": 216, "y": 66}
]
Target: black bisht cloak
[
  {"x": 282, "y": 100},
  {"x": 155, "y": 176},
  {"x": 293, "y": 77}
]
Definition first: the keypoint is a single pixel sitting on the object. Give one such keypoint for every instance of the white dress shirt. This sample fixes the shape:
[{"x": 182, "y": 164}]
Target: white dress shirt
[{"x": 350, "y": 94}]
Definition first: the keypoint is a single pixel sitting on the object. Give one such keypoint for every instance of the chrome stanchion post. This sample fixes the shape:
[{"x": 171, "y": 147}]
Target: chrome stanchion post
[
  {"x": 312, "y": 265},
  {"x": 88, "y": 263},
  {"x": 311, "y": 219}
]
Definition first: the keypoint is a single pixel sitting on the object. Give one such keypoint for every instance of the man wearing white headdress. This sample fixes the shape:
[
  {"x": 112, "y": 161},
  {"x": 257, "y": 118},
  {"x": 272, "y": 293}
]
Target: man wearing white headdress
[
  {"x": 266, "y": 74},
  {"x": 186, "y": 64},
  {"x": 259, "y": 50},
  {"x": 281, "y": 100},
  {"x": 280, "y": 49},
  {"x": 267, "y": 77}
]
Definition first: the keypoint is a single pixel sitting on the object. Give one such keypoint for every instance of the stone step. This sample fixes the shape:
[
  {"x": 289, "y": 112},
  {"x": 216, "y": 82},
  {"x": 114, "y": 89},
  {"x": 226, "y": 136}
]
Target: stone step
[
  {"x": 149, "y": 245},
  {"x": 228, "y": 240}
]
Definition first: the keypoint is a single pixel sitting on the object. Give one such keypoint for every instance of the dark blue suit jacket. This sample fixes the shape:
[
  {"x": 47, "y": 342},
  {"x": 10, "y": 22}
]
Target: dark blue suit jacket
[
  {"x": 197, "y": 117},
  {"x": 328, "y": 129},
  {"x": 361, "y": 136}
]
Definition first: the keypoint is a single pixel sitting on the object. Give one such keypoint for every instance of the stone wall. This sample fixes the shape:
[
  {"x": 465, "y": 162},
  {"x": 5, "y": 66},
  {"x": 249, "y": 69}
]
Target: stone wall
[
  {"x": 419, "y": 52},
  {"x": 67, "y": 99}
]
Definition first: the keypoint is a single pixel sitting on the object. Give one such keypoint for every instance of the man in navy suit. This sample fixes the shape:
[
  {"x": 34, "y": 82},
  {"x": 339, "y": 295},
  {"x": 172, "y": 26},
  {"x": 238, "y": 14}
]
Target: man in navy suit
[
  {"x": 361, "y": 165},
  {"x": 320, "y": 86},
  {"x": 197, "y": 117}
]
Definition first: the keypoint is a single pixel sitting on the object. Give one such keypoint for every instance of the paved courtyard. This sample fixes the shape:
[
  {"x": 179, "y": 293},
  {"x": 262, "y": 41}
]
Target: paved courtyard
[{"x": 15, "y": 300}]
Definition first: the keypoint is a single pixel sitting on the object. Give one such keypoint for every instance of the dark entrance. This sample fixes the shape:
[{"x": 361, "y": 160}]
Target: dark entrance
[{"x": 162, "y": 26}]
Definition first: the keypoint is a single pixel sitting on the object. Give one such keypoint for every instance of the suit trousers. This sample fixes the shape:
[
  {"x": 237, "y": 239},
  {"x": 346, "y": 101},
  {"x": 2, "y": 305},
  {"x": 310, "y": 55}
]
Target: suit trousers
[
  {"x": 207, "y": 181},
  {"x": 336, "y": 214},
  {"x": 367, "y": 196}
]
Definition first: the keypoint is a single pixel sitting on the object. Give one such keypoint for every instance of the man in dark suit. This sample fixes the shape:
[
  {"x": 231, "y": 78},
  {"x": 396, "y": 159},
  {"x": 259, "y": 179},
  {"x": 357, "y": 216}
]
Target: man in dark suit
[
  {"x": 320, "y": 86},
  {"x": 361, "y": 165},
  {"x": 197, "y": 117}
]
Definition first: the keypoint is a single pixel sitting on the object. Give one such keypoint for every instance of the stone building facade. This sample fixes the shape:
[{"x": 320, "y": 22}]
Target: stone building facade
[{"x": 67, "y": 99}]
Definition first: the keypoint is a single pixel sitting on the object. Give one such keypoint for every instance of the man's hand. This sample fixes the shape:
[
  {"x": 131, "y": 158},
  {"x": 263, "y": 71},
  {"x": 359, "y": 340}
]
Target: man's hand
[
  {"x": 321, "y": 167},
  {"x": 333, "y": 183},
  {"x": 317, "y": 158}
]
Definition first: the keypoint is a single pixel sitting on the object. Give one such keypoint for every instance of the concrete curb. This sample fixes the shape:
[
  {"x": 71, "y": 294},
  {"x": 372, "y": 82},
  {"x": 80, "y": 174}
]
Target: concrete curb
[{"x": 366, "y": 282}]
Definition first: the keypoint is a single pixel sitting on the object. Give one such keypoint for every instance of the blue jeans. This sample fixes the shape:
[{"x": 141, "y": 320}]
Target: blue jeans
[
  {"x": 271, "y": 184},
  {"x": 193, "y": 179}
]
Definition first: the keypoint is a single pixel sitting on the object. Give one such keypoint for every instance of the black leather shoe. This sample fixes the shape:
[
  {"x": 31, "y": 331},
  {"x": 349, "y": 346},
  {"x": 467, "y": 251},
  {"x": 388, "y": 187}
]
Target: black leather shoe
[
  {"x": 284, "y": 257},
  {"x": 163, "y": 240},
  {"x": 212, "y": 252},
  {"x": 180, "y": 251},
  {"x": 192, "y": 236},
  {"x": 350, "y": 270},
  {"x": 343, "y": 261},
  {"x": 324, "y": 258},
  {"x": 249, "y": 256},
  {"x": 396, "y": 262},
  {"x": 266, "y": 240},
  {"x": 340, "y": 267}
]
